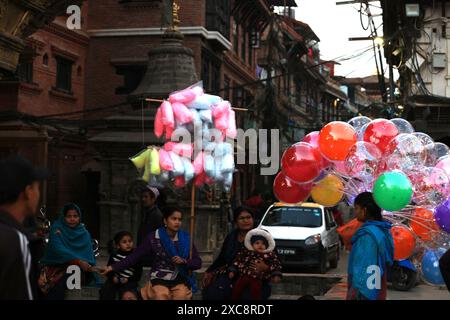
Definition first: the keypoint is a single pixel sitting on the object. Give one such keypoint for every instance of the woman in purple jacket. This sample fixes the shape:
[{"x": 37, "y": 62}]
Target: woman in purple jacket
[{"x": 171, "y": 270}]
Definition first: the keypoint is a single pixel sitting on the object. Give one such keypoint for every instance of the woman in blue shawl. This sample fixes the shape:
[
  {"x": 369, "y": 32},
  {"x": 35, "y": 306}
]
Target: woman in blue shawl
[
  {"x": 372, "y": 252},
  {"x": 69, "y": 244}
]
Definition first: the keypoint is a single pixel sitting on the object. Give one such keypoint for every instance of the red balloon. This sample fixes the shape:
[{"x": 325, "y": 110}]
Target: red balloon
[
  {"x": 290, "y": 192},
  {"x": 313, "y": 139},
  {"x": 336, "y": 139},
  {"x": 380, "y": 132},
  {"x": 301, "y": 162}
]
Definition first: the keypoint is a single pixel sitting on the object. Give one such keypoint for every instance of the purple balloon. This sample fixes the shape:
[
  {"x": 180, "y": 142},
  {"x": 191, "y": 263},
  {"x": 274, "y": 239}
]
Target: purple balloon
[{"x": 442, "y": 216}]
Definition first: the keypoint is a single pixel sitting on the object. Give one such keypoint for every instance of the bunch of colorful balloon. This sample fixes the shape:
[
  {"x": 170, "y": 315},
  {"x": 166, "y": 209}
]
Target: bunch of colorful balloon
[
  {"x": 196, "y": 126},
  {"x": 408, "y": 173}
]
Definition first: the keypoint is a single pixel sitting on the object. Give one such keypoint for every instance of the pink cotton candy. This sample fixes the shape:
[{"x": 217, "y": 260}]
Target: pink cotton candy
[
  {"x": 179, "y": 182},
  {"x": 198, "y": 164},
  {"x": 159, "y": 126},
  {"x": 183, "y": 149},
  {"x": 220, "y": 109},
  {"x": 168, "y": 146},
  {"x": 165, "y": 161},
  {"x": 231, "y": 131},
  {"x": 169, "y": 131},
  {"x": 221, "y": 123},
  {"x": 182, "y": 113},
  {"x": 167, "y": 116},
  {"x": 199, "y": 180},
  {"x": 183, "y": 96},
  {"x": 198, "y": 90}
]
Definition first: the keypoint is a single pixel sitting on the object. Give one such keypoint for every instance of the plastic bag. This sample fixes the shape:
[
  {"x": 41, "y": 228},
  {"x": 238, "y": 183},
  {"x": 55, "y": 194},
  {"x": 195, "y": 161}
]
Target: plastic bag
[
  {"x": 347, "y": 231},
  {"x": 169, "y": 131},
  {"x": 164, "y": 176},
  {"x": 178, "y": 168},
  {"x": 188, "y": 169},
  {"x": 204, "y": 102},
  {"x": 223, "y": 148},
  {"x": 183, "y": 96},
  {"x": 155, "y": 169},
  {"x": 231, "y": 130},
  {"x": 199, "y": 163},
  {"x": 209, "y": 165},
  {"x": 196, "y": 117},
  {"x": 199, "y": 180},
  {"x": 158, "y": 126},
  {"x": 165, "y": 161},
  {"x": 220, "y": 109},
  {"x": 228, "y": 181},
  {"x": 146, "y": 175},
  {"x": 182, "y": 113},
  {"x": 227, "y": 163},
  {"x": 167, "y": 116},
  {"x": 140, "y": 159},
  {"x": 218, "y": 176},
  {"x": 206, "y": 115}
]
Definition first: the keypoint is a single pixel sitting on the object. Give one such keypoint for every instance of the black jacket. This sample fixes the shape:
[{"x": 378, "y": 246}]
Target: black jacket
[
  {"x": 152, "y": 219},
  {"x": 19, "y": 256}
]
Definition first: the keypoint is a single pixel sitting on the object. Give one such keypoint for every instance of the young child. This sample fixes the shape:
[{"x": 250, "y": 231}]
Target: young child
[
  {"x": 259, "y": 246},
  {"x": 125, "y": 282}
]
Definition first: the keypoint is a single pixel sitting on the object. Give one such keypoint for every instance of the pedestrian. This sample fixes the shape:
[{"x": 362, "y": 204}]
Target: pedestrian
[
  {"x": 337, "y": 215},
  {"x": 259, "y": 246},
  {"x": 151, "y": 214},
  {"x": 19, "y": 250},
  {"x": 215, "y": 283},
  {"x": 372, "y": 252},
  {"x": 124, "y": 283},
  {"x": 444, "y": 265},
  {"x": 69, "y": 244},
  {"x": 171, "y": 270}
]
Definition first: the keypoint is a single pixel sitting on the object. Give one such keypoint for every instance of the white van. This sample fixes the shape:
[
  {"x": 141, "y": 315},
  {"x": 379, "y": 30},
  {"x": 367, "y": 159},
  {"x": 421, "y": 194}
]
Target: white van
[{"x": 305, "y": 234}]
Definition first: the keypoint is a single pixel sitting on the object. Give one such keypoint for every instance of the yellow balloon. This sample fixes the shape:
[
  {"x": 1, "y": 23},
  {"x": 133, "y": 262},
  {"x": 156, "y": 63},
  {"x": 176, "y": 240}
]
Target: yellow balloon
[
  {"x": 140, "y": 159},
  {"x": 328, "y": 191}
]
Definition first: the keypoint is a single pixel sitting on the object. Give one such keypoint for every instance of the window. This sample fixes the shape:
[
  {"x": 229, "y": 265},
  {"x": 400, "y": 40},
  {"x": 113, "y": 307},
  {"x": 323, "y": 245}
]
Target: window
[
  {"x": 244, "y": 44},
  {"x": 25, "y": 71},
  {"x": 210, "y": 72},
  {"x": 294, "y": 217},
  {"x": 236, "y": 38},
  {"x": 217, "y": 16},
  {"x": 132, "y": 77},
  {"x": 250, "y": 47},
  {"x": 64, "y": 74},
  {"x": 45, "y": 60},
  {"x": 226, "y": 84}
]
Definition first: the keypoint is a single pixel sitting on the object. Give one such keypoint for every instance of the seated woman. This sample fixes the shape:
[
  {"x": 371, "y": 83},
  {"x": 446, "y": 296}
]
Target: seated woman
[
  {"x": 171, "y": 270},
  {"x": 69, "y": 244},
  {"x": 216, "y": 283}
]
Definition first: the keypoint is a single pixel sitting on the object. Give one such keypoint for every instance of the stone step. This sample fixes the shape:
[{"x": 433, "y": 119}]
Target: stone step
[{"x": 291, "y": 287}]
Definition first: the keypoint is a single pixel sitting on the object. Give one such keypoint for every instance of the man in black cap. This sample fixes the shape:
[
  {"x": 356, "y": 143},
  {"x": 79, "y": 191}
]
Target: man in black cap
[{"x": 19, "y": 200}]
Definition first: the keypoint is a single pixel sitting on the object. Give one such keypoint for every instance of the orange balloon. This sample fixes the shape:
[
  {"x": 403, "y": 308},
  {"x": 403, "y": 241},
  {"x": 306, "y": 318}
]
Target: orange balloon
[
  {"x": 404, "y": 242},
  {"x": 423, "y": 223},
  {"x": 336, "y": 139}
]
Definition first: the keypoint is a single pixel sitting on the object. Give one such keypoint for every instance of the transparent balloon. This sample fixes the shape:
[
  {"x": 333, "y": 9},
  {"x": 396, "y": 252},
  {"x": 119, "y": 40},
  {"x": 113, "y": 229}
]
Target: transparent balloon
[
  {"x": 403, "y": 126},
  {"x": 444, "y": 164},
  {"x": 362, "y": 161},
  {"x": 430, "y": 186},
  {"x": 428, "y": 144},
  {"x": 441, "y": 150},
  {"x": 358, "y": 122},
  {"x": 353, "y": 187},
  {"x": 405, "y": 152},
  {"x": 361, "y": 131}
]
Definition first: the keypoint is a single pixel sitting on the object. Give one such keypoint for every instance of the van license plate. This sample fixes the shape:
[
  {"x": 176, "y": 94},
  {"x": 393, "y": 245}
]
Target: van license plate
[{"x": 286, "y": 251}]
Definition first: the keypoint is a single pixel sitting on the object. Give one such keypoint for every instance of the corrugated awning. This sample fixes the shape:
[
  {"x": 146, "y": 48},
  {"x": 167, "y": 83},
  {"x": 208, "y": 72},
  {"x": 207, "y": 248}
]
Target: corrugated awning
[{"x": 282, "y": 3}]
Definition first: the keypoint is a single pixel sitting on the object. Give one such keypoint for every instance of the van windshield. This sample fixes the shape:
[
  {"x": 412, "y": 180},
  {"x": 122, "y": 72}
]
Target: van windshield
[{"x": 293, "y": 217}]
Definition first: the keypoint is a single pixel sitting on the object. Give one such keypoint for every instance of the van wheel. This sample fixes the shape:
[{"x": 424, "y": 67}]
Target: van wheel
[
  {"x": 334, "y": 260},
  {"x": 323, "y": 262}
]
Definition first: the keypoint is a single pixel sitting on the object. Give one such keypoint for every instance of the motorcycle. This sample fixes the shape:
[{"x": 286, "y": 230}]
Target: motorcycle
[{"x": 403, "y": 275}]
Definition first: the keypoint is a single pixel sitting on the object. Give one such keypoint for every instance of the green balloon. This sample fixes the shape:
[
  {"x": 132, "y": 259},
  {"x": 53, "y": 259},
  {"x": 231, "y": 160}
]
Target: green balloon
[{"x": 392, "y": 191}]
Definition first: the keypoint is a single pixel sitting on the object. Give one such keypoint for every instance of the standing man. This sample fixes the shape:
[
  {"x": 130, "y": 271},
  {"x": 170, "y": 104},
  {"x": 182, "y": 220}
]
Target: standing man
[
  {"x": 19, "y": 250},
  {"x": 151, "y": 215},
  {"x": 444, "y": 265}
]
